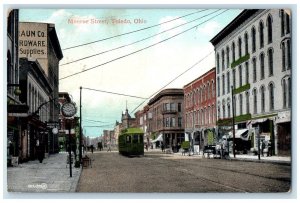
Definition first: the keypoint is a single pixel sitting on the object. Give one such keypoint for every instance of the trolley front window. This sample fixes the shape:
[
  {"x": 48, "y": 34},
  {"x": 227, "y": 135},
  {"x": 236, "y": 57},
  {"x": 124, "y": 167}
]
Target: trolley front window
[
  {"x": 135, "y": 139},
  {"x": 128, "y": 139},
  {"x": 141, "y": 139}
]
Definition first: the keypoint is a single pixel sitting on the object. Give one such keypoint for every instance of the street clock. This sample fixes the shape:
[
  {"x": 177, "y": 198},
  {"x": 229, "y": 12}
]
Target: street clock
[{"x": 68, "y": 109}]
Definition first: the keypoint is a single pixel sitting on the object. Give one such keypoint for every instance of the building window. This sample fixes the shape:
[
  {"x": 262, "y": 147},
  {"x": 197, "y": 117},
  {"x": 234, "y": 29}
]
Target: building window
[
  {"x": 213, "y": 88},
  {"x": 218, "y": 84},
  {"x": 240, "y": 76},
  {"x": 218, "y": 63},
  {"x": 247, "y": 103},
  {"x": 223, "y": 84},
  {"x": 223, "y": 108},
  {"x": 233, "y": 51},
  {"x": 270, "y": 36},
  {"x": 262, "y": 89},
  {"x": 289, "y": 60},
  {"x": 240, "y": 47},
  {"x": 255, "y": 101},
  {"x": 254, "y": 69},
  {"x": 262, "y": 66},
  {"x": 179, "y": 107},
  {"x": 227, "y": 56},
  {"x": 283, "y": 56},
  {"x": 253, "y": 32},
  {"x": 218, "y": 113},
  {"x": 202, "y": 112},
  {"x": 234, "y": 105},
  {"x": 208, "y": 91},
  {"x": 284, "y": 93},
  {"x": 223, "y": 60},
  {"x": 287, "y": 17},
  {"x": 241, "y": 104},
  {"x": 233, "y": 78},
  {"x": 261, "y": 34},
  {"x": 228, "y": 110},
  {"x": 282, "y": 21},
  {"x": 246, "y": 43},
  {"x": 290, "y": 92},
  {"x": 271, "y": 89},
  {"x": 247, "y": 72},
  {"x": 228, "y": 82},
  {"x": 270, "y": 59}
]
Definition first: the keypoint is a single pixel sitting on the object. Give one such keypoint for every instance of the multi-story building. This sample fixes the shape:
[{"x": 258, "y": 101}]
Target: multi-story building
[
  {"x": 200, "y": 109},
  {"x": 253, "y": 56},
  {"x": 166, "y": 117},
  {"x": 142, "y": 118}
]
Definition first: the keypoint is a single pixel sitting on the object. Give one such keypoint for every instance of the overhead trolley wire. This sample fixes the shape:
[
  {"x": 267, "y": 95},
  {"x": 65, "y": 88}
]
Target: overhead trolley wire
[
  {"x": 132, "y": 31},
  {"x": 103, "y": 52},
  {"x": 141, "y": 49},
  {"x": 114, "y": 93}
]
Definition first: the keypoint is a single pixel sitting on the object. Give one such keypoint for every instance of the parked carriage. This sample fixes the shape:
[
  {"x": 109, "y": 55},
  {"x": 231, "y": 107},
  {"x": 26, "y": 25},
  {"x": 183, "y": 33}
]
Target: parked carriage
[{"x": 131, "y": 142}]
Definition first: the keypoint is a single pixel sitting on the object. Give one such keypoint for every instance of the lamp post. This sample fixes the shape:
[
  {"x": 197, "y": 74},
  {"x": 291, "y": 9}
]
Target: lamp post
[{"x": 233, "y": 128}]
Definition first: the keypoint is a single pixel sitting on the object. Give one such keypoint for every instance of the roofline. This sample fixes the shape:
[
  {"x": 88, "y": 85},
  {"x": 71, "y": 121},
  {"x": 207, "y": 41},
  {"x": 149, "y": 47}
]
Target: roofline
[
  {"x": 244, "y": 15},
  {"x": 166, "y": 92},
  {"x": 203, "y": 75}
]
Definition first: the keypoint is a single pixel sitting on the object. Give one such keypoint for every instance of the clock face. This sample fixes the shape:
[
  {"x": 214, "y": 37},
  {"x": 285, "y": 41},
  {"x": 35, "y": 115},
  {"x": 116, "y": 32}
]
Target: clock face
[
  {"x": 68, "y": 109},
  {"x": 54, "y": 130}
]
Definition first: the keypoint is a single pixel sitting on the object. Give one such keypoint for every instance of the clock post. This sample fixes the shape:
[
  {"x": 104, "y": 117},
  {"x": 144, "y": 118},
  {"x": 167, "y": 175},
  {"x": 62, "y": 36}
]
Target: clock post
[{"x": 68, "y": 111}]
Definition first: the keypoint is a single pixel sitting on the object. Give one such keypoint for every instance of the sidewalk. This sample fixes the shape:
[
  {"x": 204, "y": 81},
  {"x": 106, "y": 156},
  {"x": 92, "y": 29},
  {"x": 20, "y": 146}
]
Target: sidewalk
[{"x": 50, "y": 176}]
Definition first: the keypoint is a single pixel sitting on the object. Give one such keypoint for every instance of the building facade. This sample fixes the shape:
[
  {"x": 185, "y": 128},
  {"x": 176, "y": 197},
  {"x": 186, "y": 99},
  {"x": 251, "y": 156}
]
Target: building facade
[
  {"x": 165, "y": 119},
  {"x": 253, "y": 68},
  {"x": 200, "y": 110}
]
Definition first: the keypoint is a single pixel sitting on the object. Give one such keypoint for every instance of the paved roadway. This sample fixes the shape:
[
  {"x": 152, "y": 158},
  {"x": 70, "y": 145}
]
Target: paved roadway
[{"x": 157, "y": 172}]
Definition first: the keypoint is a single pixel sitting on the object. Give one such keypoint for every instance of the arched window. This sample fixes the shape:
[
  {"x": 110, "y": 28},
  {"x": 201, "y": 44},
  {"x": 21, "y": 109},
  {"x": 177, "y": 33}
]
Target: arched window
[
  {"x": 289, "y": 60},
  {"x": 270, "y": 60},
  {"x": 223, "y": 109},
  {"x": 240, "y": 47},
  {"x": 282, "y": 21},
  {"x": 218, "y": 63},
  {"x": 213, "y": 88},
  {"x": 208, "y": 90},
  {"x": 254, "y": 69},
  {"x": 247, "y": 103},
  {"x": 240, "y": 75},
  {"x": 246, "y": 43},
  {"x": 287, "y": 21},
  {"x": 262, "y": 66},
  {"x": 261, "y": 34},
  {"x": 269, "y": 23},
  {"x": 262, "y": 91},
  {"x": 227, "y": 56},
  {"x": 233, "y": 78},
  {"x": 283, "y": 56},
  {"x": 247, "y": 72},
  {"x": 233, "y": 51},
  {"x": 218, "y": 84},
  {"x": 255, "y": 101},
  {"x": 253, "y": 33},
  {"x": 228, "y": 82},
  {"x": 241, "y": 104},
  {"x": 219, "y": 113},
  {"x": 271, "y": 95},
  {"x": 228, "y": 110},
  {"x": 284, "y": 93},
  {"x": 223, "y": 84},
  {"x": 223, "y": 60}
]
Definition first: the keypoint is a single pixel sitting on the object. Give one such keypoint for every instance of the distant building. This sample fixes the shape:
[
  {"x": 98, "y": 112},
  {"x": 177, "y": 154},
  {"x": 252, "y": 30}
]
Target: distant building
[
  {"x": 200, "y": 109},
  {"x": 166, "y": 117},
  {"x": 253, "y": 55},
  {"x": 127, "y": 121}
]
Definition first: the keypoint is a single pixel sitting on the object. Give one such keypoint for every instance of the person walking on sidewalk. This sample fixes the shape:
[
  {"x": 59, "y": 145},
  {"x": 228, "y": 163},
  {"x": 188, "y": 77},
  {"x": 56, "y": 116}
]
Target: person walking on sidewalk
[
  {"x": 263, "y": 146},
  {"x": 109, "y": 149}
]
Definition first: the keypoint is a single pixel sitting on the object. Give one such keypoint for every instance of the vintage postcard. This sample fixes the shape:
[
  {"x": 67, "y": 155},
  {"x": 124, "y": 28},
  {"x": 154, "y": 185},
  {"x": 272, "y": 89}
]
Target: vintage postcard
[{"x": 136, "y": 100}]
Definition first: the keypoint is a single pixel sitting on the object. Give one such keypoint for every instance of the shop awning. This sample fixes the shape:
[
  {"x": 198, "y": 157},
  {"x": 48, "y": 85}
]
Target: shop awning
[
  {"x": 240, "y": 134},
  {"x": 159, "y": 138}
]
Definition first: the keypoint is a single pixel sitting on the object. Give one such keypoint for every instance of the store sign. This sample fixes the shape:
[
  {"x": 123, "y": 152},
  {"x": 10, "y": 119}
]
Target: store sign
[{"x": 33, "y": 40}]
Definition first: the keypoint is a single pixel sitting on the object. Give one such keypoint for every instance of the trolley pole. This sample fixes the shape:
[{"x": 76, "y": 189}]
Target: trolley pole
[
  {"x": 233, "y": 128},
  {"x": 80, "y": 129}
]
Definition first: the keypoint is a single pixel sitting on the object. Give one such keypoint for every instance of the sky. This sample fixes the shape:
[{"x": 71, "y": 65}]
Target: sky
[{"x": 140, "y": 74}]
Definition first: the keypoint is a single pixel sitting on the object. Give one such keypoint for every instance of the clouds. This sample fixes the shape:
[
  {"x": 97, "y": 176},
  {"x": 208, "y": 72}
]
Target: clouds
[{"x": 210, "y": 29}]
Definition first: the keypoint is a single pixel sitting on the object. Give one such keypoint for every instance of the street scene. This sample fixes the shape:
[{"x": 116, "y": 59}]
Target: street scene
[{"x": 149, "y": 100}]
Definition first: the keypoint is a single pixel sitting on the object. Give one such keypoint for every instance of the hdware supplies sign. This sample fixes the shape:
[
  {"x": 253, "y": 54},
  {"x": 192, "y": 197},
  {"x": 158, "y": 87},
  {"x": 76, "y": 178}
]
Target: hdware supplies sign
[{"x": 33, "y": 40}]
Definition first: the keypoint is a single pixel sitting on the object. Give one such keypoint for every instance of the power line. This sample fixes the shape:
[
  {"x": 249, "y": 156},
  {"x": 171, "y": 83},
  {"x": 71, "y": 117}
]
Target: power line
[
  {"x": 174, "y": 79},
  {"x": 103, "y": 52},
  {"x": 133, "y": 31},
  {"x": 89, "y": 120},
  {"x": 97, "y": 126},
  {"x": 142, "y": 48},
  {"x": 113, "y": 93}
]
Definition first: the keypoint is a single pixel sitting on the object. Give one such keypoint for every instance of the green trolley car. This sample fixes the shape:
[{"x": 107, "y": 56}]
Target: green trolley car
[{"x": 131, "y": 142}]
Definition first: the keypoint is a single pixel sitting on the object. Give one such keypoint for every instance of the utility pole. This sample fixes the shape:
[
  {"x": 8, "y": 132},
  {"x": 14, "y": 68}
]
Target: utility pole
[
  {"x": 233, "y": 128},
  {"x": 80, "y": 129}
]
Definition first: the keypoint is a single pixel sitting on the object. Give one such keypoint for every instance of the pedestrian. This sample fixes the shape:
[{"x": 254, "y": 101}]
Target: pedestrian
[
  {"x": 109, "y": 149},
  {"x": 92, "y": 148},
  {"x": 269, "y": 149},
  {"x": 162, "y": 147},
  {"x": 263, "y": 146}
]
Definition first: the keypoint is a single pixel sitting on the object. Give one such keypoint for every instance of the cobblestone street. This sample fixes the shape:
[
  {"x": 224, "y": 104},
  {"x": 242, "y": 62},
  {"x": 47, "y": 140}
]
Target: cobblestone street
[{"x": 157, "y": 172}]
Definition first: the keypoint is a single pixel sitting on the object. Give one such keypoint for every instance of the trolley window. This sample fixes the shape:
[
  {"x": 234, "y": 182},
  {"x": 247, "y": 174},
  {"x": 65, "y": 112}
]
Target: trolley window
[
  {"x": 141, "y": 139},
  {"x": 128, "y": 139},
  {"x": 135, "y": 139}
]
